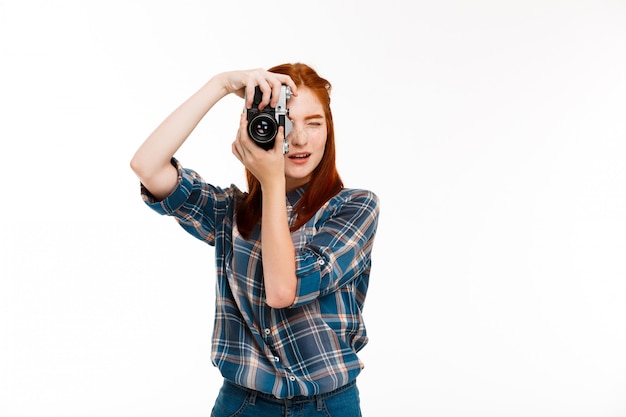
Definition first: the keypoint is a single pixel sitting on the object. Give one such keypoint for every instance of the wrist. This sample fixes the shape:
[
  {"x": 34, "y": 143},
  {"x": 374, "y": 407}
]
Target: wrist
[
  {"x": 219, "y": 84},
  {"x": 273, "y": 188}
]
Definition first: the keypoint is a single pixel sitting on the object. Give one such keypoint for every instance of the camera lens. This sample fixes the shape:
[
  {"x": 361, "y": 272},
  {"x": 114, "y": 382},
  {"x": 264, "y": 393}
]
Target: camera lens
[{"x": 262, "y": 130}]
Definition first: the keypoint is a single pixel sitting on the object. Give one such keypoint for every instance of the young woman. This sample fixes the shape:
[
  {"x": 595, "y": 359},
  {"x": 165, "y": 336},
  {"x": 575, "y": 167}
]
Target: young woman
[{"x": 293, "y": 252}]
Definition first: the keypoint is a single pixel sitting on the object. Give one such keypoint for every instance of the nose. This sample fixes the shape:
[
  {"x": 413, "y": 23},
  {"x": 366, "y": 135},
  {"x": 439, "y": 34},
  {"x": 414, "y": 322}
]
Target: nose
[{"x": 297, "y": 136}]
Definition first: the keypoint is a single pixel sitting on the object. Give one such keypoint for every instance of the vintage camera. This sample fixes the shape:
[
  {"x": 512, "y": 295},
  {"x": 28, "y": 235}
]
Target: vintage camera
[{"x": 263, "y": 124}]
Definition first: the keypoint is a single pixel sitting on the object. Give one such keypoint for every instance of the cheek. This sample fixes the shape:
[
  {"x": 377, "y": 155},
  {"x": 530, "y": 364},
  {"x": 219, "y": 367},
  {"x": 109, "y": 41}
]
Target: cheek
[
  {"x": 319, "y": 138},
  {"x": 320, "y": 151}
]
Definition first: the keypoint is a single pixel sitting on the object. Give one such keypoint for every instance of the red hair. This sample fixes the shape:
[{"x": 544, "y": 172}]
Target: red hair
[{"x": 325, "y": 180}]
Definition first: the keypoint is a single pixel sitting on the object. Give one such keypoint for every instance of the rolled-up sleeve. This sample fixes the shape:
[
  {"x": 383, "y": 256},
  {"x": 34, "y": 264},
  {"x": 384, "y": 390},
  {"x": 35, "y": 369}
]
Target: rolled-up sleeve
[
  {"x": 339, "y": 250},
  {"x": 177, "y": 197},
  {"x": 196, "y": 205}
]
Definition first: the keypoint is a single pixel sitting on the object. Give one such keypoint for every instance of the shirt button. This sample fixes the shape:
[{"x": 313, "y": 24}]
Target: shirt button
[
  {"x": 276, "y": 359},
  {"x": 321, "y": 261},
  {"x": 292, "y": 378},
  {"x": 267, "y": 331}
]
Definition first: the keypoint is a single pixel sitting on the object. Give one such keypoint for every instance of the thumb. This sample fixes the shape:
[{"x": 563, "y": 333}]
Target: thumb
[{"x": 281, "y": 145}]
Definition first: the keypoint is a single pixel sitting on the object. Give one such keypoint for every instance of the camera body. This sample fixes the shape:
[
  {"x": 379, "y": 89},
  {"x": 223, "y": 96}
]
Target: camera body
[{"x": 263, "y": 124}]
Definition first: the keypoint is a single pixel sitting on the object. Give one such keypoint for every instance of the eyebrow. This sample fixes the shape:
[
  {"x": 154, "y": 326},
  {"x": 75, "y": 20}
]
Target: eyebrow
[{"x": 314, "y": 116}]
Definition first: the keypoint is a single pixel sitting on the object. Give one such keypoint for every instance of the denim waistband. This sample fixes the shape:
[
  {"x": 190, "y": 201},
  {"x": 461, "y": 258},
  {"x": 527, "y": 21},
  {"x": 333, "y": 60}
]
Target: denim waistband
[{"x": 296, "y": 399}]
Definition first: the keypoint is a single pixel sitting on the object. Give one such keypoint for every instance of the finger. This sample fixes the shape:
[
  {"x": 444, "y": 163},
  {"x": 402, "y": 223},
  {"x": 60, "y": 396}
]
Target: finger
[
  {"x": 239, "y": 149},
  {"x": 276, "y": 90},
  {"x": 249, "y": 95},
  {"x": 243, "y": 125},
  {"x": 280, "y": 140},
  {"x": 252, "y": 80},
  {"x": 243, "y": 138},
  {"x": 234, "y": 150},
  {"x": 286, "y": 80},
  {"x": 266, "y": 90}
]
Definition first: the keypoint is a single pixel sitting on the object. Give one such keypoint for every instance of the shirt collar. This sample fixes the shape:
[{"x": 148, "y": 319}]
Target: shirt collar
[{"x": 295, "y": 195}]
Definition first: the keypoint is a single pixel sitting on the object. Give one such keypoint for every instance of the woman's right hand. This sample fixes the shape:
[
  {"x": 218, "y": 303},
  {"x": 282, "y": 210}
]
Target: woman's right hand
[{"x": 243, "y": 82}]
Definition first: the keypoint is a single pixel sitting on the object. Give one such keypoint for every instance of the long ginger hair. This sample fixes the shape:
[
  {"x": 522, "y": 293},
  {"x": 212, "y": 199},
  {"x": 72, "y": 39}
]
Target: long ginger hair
[{"x": 325, "y": 181}]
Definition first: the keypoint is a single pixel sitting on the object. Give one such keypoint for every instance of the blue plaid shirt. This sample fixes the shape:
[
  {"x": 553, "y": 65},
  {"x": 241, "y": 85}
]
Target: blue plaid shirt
[{"x": 310, "y": 347}]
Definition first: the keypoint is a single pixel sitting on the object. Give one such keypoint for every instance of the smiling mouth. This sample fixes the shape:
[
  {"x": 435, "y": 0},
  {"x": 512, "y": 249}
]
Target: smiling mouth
[{"x": 300, "y": 156}]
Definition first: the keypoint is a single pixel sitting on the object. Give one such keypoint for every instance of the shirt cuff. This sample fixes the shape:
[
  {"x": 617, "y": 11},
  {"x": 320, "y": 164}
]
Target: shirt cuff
[
  {"x": 177, "y": 197},
  {"x": 310, "y": 268}
]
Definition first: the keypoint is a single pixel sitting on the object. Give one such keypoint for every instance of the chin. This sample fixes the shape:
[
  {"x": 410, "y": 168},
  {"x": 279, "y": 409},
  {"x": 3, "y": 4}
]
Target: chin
[{"x": 296, "y": 182}]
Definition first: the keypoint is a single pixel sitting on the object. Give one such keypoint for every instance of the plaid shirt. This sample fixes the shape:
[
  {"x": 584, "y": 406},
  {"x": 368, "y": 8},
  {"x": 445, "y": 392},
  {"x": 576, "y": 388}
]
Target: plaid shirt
[{"x": 310, "y": 347}]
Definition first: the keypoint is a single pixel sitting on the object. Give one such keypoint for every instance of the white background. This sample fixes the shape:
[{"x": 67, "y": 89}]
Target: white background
[{"x": 494, "y": 133}]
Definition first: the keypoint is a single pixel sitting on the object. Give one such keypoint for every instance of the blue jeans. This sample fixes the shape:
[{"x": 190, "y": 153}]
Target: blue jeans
[{"x": 236, "y": 401}]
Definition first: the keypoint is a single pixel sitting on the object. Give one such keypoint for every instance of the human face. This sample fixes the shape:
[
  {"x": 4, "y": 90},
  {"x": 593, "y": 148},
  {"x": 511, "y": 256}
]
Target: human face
[{"x": 307, "y": 139}]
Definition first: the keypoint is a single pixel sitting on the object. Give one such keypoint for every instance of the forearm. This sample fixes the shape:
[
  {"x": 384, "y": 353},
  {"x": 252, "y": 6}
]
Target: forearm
[
  {"x": 151, "y": 162},
  {"x": 279, "y": 269}
]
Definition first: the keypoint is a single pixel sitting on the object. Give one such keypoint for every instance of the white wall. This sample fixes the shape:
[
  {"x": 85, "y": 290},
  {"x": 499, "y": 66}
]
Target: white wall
[{"x": 494, "y": 133}]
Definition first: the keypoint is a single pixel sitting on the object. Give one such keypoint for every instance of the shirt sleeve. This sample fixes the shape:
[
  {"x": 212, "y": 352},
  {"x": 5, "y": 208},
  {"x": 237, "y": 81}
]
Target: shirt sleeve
[
  {"x": 340, "y": 249},
  {"x": 196, "y": 205}
]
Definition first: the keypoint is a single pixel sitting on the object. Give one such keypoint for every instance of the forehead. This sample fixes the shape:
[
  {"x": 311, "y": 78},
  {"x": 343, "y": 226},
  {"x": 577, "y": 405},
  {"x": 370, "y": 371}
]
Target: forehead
[{"x": 304, "y": 104}]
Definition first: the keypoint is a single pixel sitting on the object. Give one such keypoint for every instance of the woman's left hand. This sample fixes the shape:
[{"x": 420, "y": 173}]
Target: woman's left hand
[{"x": 268, "y": 166}]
